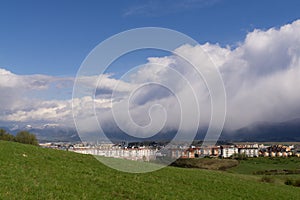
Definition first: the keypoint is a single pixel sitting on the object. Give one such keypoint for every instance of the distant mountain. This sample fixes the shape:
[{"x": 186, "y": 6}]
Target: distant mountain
[
  {"x": 53, "y": 134},
  {"x": 281, "y": 132},
  {"x": 260, "y": 132},
  {"x": 47, "y": 132}
]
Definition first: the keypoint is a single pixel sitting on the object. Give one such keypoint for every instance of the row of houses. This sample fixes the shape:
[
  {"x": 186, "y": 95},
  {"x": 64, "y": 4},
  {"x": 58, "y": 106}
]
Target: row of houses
[
  {"x": 144, "y": 154},
  {"x": 226, "y": 151},
  {"x": 147, "y": 153},
  {"x": 279, "y": 151}
]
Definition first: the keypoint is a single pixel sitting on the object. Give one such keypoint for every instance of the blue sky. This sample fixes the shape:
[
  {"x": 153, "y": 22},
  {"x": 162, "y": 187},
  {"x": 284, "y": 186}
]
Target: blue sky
[
  {"x": 53, "y": 37},
  {"x": 255, "y": 46}
]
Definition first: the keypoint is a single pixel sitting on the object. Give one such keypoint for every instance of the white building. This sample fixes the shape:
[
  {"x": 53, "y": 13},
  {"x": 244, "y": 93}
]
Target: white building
[
  {"x": 250, "y": 152},
  {"x": 228, "y": 150},
  {"x": 130, "y": 154}
]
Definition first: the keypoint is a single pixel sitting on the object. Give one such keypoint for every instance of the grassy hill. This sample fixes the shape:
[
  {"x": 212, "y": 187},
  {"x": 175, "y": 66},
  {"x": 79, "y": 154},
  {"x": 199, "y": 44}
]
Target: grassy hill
[{"x": 29, "y": 172}]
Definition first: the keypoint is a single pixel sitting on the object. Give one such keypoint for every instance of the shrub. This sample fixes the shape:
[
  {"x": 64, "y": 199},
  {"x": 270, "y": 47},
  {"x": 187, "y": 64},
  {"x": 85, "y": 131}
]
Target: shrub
[
  {"x": 22, "y": 137},
  {"x": 297, "y": 183},
  {"x": 239, "y": 156},
  {"x": 288, "y": 182},
  {"x": 267, "y": 179},
  {"x": 26, "y": 138},
  {"x": 6, "y": 136}
]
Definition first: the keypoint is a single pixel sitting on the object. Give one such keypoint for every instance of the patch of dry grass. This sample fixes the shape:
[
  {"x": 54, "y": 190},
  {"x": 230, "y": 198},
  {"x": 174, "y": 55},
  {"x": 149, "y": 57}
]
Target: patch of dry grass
[{"x": 206, "y": 163}]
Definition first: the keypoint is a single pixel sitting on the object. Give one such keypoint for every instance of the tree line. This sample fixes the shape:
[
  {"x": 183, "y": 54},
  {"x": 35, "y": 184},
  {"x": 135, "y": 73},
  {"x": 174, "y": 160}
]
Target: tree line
[{"x": 22, "y": 137}]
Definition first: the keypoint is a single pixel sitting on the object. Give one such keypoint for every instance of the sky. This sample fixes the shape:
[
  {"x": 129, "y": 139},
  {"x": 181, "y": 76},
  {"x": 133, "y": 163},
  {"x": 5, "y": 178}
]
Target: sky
[
  {"x": 254, "y": 45},
  {"x": 53, "y": 37}
]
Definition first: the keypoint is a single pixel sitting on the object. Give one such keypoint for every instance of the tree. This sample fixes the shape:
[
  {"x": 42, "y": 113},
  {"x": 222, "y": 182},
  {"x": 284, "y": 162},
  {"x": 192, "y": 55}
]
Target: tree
[
  {"x": 26, "y": 138},
  {"x": 240, "y": 156},
  {"x": 6, "y": 136}
]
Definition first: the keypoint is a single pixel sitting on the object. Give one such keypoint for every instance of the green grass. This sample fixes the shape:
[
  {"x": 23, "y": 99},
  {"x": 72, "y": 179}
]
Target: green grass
[
  {"x": 264, "y": 165},
  {"x": 130, "y": 166},
  {"x": 252, "y": 165},
  {"x": 29, "y": 172}
]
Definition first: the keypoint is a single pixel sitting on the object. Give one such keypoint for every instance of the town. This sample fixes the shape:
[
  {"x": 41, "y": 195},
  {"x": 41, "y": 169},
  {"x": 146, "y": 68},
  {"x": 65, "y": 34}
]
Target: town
[{"x": 152, "y": 151}]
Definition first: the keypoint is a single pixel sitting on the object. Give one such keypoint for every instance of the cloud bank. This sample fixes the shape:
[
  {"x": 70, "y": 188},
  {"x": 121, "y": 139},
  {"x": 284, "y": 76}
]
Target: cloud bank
[{"x": 261, "y": 77}]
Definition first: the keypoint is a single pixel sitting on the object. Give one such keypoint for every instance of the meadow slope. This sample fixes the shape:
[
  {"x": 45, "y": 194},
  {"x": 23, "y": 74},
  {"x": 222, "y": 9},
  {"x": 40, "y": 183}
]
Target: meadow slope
[{"x": 29, "y": 172}]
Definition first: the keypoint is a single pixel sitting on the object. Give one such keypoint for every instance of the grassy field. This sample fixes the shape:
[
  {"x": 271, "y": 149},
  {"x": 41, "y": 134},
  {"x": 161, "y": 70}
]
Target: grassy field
[
  {"x": 252, "y": 165},
  {"x": 270, "y": 167},
  {"x": 28, "y": 172}
]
